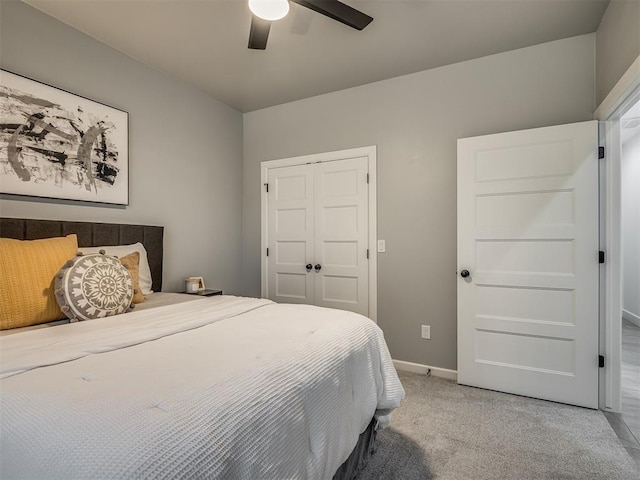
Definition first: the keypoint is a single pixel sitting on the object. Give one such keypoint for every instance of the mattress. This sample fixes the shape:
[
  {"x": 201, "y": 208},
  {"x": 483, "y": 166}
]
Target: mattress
[{"x": 217, "y": 387}]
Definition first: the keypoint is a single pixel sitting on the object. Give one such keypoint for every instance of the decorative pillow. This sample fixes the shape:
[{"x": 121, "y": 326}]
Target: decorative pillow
[
  {"x": 123, "y": 250},
  {"x": 93, "y": 286},
  {"x": 27, "y": 271},
  {"x": 131, "y": 263}
]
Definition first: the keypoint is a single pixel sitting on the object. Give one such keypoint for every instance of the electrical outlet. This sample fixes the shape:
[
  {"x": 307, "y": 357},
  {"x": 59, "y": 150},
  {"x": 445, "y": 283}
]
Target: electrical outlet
[{"x": 426, "y": 332}]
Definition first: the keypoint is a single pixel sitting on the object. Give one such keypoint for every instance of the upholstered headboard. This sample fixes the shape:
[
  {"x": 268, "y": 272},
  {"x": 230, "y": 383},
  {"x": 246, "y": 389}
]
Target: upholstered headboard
[{"x": 92, "y": 234}]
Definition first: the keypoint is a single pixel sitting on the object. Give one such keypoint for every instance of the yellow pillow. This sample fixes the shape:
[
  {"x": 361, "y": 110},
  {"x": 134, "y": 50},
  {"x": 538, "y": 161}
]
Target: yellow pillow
[
  {"x": 131, "y": 262},
  {"x": 27, "y": 272}
]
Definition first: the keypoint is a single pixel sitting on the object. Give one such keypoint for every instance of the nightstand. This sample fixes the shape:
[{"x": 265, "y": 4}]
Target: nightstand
[{"x": 205, "y": 293}]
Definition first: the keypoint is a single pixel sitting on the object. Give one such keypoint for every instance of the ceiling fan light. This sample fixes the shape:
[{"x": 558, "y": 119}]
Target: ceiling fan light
[{"x": 269, "y": 9}]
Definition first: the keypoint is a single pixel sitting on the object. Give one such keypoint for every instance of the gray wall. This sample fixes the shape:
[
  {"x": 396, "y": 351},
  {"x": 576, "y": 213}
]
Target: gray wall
[
  {"x": 618, "y": 44},
  {"x": 185, "y": 150},
  {"x": 631, "y": 228},
  {"x": 415, "y": 120}
]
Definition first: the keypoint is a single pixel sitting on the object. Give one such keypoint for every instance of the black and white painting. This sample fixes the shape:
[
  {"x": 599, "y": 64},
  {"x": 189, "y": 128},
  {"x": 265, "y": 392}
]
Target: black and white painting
[{"x": 58, "y": 145}]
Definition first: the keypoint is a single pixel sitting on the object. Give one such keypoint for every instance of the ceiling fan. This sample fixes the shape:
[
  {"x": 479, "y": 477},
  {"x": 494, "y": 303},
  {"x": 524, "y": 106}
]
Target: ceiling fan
[{"x": 266, "y": 11}]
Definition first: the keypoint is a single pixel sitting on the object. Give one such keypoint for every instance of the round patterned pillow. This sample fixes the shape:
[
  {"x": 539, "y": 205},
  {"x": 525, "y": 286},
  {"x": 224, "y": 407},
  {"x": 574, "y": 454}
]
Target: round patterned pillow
[{"x": 93, "y": 286}]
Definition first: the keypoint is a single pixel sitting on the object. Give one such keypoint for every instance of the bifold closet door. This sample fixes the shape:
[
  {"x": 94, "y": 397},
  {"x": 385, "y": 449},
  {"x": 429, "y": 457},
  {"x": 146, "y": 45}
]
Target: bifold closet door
[
  {"x": 317, "y": 234},
  {"x": 341, "y": 235},
  {"x": 290, "y": 233}
]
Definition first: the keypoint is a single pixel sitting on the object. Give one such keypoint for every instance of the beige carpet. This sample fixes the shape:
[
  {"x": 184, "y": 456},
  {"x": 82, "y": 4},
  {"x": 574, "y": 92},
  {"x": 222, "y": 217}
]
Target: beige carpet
[{"x": 449, "y": 432}]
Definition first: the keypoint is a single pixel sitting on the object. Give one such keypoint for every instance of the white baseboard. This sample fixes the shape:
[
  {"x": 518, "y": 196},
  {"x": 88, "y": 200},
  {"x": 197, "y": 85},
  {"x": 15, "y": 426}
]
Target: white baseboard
[
  {"x": 632, "y": 317},
  {"x": 424, "y": 369}
]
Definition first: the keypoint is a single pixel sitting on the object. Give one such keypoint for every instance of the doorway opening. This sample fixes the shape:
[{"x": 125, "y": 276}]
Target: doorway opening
[
  {"x": 630, "y": 236},
  {"x": 618, "y": 110}
]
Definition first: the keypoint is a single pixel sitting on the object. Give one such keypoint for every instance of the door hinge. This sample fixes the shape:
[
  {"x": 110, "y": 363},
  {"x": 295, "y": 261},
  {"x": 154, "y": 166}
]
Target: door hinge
[
  {"x": 267, "y": 252},
  {"x": 601, "y": 256},
  {"x": 600, "y": 153},
  {"x": 367, "y": 178},
  {"x": 367, "y": 253},
  {"x": 267, "y": 187},
  {"x": 601, "y": 361}
]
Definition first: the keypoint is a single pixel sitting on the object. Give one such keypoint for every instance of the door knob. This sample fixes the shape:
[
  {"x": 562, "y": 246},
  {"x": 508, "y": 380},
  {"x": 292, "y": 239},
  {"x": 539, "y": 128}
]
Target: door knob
[
  {"x": 464, "y": 273},
  {"x": 308, "y": 267},
  {"x": 318, "y": 267}
]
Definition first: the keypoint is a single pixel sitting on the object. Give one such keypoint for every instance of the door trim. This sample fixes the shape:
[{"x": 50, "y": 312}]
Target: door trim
[
  {"x": 371, "y": 153},
  {"x": 611, "y": 292},
  {"x": 615, "y": 104},
  {"x": 619, "y": 95}
]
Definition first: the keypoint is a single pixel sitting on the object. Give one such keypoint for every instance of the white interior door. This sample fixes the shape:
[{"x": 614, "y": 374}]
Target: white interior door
[
  {"x": 291, "y": 235},
  {"x": 528, "y": 236},
  {"x": 341, "y": 235},
  {"x": 318, "y": 234}
]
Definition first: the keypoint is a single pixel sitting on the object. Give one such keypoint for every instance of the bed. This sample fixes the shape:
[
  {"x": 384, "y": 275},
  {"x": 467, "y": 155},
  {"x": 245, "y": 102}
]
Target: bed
[{"x": 213, "y": 387}]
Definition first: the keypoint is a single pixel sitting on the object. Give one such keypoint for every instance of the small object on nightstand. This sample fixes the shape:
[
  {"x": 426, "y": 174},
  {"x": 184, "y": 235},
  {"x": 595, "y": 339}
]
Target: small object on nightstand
[
  {"x": 193, "y": 284},
  {"x": 205, "y": 293}
]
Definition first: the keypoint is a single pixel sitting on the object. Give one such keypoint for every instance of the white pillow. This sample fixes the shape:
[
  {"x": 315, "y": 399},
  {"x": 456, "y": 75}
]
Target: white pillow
[{"x": 122, "y": 250}]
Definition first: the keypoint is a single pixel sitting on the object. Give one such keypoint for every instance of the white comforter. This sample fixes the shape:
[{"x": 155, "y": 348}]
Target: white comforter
[{"x": 219, "y": 387}]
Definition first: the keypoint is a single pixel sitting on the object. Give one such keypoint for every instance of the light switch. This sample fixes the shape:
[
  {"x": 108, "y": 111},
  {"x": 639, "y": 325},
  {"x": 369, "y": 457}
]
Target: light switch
[{"x": 382, "y": 246}]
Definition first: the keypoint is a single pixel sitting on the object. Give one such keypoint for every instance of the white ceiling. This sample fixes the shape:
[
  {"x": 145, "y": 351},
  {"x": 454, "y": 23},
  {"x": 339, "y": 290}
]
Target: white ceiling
[{"x": 204, "y": 42}]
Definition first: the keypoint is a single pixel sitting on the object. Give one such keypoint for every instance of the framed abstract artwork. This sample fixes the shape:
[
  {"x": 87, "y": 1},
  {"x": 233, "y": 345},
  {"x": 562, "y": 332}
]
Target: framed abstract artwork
[{"x": 55, "y": 144}]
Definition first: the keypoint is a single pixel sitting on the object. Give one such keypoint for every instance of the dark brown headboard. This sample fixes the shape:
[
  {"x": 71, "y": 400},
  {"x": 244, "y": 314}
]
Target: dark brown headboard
[{"x": 92, "y": 235}]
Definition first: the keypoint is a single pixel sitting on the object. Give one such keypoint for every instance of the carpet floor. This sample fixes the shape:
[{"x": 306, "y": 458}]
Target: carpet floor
[{"x": 450, "y": 432}]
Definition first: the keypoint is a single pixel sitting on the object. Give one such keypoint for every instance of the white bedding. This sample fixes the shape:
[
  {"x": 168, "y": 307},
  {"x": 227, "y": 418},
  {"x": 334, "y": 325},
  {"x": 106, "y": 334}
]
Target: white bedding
[
  {"x": 153, "y": 300},
  {"x": 217, "y": 387}
]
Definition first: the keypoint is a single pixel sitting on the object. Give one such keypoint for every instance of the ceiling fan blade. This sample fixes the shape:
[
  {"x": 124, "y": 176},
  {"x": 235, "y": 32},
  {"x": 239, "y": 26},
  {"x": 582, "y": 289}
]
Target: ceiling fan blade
[
  {"x": 338, "y": 11},
  {"x": 259, "y": 33}
]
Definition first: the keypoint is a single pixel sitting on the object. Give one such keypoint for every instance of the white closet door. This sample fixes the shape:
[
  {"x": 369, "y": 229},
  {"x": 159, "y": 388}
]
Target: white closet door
[
  {"x": 341, "y": 235},
  {"x": 528, "y": 236},
  {"x": 290, "y": 234}
]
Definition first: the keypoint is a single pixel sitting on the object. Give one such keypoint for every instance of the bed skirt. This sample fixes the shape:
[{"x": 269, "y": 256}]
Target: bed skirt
[{"x": 360, "y": 455}]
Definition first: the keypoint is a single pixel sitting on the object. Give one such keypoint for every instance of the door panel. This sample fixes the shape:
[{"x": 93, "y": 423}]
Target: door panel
[
  {"x": 542, "y": 305},
  {"x": 528, "y": 233},
  {"x": 290, "y": 233},
  {"x": 293, "y": 287},
  {"x": 536, "y": 160},
  {"x": 340, "y": 254},
  {"x": 540, "y": 209},
  {"x": 339, "y": 220},
  {"x": 341, "y": 237},
  {"x": 540, "y": 257}
]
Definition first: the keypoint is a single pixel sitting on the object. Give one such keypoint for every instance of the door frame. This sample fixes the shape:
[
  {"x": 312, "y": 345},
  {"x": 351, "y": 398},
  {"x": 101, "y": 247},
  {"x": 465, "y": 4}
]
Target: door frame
[
  {"x": 371, "y": 153},
  {"x": 624, "y": 94}
]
